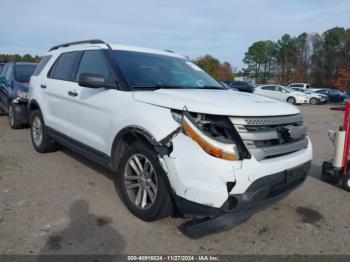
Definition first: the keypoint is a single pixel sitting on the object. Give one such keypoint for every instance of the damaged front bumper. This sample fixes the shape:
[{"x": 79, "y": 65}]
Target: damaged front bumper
[{"x": 261, "y": 194}]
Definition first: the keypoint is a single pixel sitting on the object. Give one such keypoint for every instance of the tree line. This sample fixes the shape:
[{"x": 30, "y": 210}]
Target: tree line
[
  {"x": 18, "y": 58},
  {"x": 322, "y": 60}
]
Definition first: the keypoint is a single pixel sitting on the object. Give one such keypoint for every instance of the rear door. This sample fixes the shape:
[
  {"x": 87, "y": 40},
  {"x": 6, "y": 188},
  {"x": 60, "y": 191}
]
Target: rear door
[
  {"x": 268, "y": 91},
  {"x": 282, "y": 93},
  {"x": 55, "y": 91}
]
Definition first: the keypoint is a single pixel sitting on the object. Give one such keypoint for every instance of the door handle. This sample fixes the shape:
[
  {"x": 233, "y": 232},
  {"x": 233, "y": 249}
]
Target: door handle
[
  {"x": 43, "y": 86},
  {"x": 72, "y": 93}
]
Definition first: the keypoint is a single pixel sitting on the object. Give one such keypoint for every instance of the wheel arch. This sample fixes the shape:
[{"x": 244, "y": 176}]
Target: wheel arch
[
  {"x": 135, "y": 133},
  {"x": 33, "y": 105},
  {"x": 291, "y": 96},
  {"x": 127, "y": 136}
]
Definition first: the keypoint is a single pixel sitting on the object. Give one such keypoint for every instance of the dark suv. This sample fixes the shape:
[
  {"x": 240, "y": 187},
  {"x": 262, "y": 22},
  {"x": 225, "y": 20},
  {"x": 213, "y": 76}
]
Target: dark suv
[
  {"x": 241, "y": 86},
  {"x": 14, "y": 79}
]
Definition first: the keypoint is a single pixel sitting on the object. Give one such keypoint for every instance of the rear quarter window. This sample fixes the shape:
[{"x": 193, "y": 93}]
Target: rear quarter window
[{"x": 41, "y": 65}]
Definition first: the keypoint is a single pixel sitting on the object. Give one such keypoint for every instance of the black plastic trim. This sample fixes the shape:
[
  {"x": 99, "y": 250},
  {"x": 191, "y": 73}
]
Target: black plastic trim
[
  {"x": 81, "y": 148},
  {"x": 260, "y": 195}
]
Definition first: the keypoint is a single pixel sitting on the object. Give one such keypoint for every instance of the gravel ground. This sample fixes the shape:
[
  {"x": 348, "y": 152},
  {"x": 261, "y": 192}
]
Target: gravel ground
[{"x": 61, "y": 203}]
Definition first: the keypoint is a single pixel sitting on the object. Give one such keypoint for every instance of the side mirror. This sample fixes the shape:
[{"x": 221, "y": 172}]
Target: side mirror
[{"x": 93, "y": 81}]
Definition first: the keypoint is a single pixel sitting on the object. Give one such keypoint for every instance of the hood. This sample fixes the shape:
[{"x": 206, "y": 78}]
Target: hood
[
  {"x": 217, "y": 102},
  {"x": 23, "y": 86}
]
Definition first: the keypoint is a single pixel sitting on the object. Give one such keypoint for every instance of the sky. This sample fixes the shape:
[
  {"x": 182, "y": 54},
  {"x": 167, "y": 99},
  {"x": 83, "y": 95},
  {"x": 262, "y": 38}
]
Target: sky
[{"x": 222, "y": 28}]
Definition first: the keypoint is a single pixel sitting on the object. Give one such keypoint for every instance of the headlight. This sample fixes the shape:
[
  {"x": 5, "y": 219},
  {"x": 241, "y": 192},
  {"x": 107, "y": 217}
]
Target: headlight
[
  {"x": 22, "y": 94},
  {"x": 213, "y": 135}
]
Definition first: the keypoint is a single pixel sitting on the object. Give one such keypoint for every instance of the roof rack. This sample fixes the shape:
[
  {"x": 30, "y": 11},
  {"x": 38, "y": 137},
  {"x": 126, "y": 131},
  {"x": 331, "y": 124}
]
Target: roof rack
[{"x": 91, "y": 41}]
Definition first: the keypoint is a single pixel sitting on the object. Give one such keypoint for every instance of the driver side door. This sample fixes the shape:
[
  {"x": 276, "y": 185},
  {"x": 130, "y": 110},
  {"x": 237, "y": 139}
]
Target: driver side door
[{"x": 91, "y": 109}]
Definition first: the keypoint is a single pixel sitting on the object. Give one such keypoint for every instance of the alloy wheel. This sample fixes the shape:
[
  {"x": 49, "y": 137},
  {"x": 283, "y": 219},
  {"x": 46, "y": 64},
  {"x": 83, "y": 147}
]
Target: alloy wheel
[
  {"x": 37, "y": 131},
  {"x": 140, "y": 181}
]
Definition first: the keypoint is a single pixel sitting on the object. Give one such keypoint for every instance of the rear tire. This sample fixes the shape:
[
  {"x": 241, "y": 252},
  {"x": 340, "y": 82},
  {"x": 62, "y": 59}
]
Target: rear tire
[
  {"x": 291, "y": 100},
  {"x": 13, "y": 118},
  {"x": 39, "y": 134},
  {"x": 346, "y": 183},
  {"x": 313, "y": 101},
  {"x": 141, "y": 183}
]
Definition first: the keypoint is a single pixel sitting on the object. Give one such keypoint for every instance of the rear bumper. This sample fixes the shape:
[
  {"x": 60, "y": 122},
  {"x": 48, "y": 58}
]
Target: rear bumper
[{"x": 261, "y": 194}]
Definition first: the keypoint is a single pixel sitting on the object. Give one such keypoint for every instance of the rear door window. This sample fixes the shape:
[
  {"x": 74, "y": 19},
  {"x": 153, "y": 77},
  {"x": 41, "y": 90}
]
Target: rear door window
[
  {"x": 270, "y": 88},
  {"x": 64, "y": 67}
]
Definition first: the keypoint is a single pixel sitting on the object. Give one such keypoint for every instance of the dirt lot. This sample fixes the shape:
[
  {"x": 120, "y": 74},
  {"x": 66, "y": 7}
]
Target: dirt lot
[{"x": 60, "y": 203}]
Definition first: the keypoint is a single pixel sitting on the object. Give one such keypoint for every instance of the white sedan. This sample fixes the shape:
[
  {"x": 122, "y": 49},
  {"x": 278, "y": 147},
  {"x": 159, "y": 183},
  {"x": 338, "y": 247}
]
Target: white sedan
[
  {"x": 282, "y": 93},
  {"x": 314, "y": 98}
]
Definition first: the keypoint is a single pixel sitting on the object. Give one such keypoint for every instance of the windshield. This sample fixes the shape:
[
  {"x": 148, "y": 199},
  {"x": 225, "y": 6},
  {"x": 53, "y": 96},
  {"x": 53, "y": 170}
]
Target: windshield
[
  {"x": 24, "y": 72},
  {"x": 144, "y": 70}
]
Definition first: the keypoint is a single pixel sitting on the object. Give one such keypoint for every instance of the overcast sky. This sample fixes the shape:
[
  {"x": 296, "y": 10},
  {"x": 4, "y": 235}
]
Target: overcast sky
[{"x": 224, "y": 29}]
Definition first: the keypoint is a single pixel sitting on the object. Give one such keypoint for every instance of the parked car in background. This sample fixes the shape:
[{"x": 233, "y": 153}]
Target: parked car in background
[
  {"x": 334, "y": 96},
  {"x": 301, "y": 85},
  {"x": 282, "y": 93},
  {"x": 1, "y": 66},
  {"x": 14, "y": 80},
  {"x": 227, "y": 86},
  {"x": 241, "y": 86},
  {"x": 314, "y": 98}
]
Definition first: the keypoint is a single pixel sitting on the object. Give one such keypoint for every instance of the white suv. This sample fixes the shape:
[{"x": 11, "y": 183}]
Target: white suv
[
  {"x": 177, "y": 141},
  {"x": 300, "y": 85}
]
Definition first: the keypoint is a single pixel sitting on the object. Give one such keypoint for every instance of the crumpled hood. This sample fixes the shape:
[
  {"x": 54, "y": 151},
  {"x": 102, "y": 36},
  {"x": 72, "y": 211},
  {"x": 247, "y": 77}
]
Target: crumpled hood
[{"x": 218, "y": 102}]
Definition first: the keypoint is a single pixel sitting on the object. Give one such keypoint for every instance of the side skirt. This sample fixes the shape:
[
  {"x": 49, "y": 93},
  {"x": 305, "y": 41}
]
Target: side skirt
[{"x": 81, "y": 148}]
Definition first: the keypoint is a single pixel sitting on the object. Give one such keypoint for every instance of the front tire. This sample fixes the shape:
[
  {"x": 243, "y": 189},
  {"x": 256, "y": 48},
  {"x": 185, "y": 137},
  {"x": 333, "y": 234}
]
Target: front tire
[
  {"x": 313, "y": 101},
  {"x": 141, "y": 183},
  {"x": 39, "y": 134},
  {"x": 14, "y": 121},
  {"x": 291, "y": 100}
]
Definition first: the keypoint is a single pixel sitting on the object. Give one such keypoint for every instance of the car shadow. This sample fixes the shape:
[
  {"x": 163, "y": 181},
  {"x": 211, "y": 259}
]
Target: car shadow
[
  {"x": 86, "y": 234},
  {"x": 87, "y": 162}
]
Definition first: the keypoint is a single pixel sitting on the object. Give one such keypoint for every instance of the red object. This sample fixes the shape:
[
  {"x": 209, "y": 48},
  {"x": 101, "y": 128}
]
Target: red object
[{"x": 346, "y": 127}]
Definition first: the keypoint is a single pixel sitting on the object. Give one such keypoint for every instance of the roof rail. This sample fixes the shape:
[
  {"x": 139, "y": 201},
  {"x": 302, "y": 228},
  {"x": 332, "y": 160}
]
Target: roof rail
[{"x": 91, "y": 41}]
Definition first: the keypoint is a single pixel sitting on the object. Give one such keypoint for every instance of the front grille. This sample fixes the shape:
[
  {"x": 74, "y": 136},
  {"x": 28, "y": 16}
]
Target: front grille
[{"x": 268, "y": 137}]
